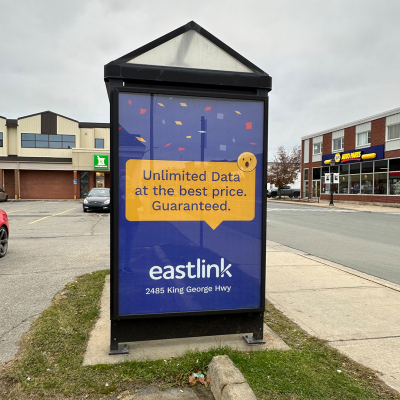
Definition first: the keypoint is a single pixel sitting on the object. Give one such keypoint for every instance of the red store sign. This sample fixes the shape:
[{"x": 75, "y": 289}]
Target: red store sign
[{"x": 394, "y": 173}]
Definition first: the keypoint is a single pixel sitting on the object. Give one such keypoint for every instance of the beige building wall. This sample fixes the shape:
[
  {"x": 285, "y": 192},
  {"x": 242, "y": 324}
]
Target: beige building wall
[
  {"x": 67, "y": 127},
  {"x": 103, "y": 133},
  {"x": 3, "y": 128},
  {"x": 30, "y": 124},
  {"x": 12, "y": 140},
  {"x": 87, "y": 138}
]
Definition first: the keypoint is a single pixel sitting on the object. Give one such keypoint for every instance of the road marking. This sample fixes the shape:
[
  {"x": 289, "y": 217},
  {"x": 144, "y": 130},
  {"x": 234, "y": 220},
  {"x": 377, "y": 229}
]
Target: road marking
[
  {"x": 310, "y": 210},
  {"x": 9, "y": 212},
  {"x": 41, "y": 219}
]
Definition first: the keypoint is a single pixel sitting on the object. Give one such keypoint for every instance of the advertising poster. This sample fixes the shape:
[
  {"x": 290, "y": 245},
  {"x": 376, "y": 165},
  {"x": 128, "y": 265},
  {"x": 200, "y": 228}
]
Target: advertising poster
[{"x": 190, "y": 178}]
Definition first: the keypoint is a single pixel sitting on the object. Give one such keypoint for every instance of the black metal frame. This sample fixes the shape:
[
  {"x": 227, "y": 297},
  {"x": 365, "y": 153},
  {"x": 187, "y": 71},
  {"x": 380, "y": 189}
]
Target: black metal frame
[
  {"x": 120, "y": 77},
  {"x": 148, "y": 327}
]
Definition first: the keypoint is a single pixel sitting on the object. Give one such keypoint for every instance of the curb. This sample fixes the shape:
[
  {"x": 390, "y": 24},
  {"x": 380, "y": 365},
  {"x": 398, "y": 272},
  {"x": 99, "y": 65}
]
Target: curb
[{"x": 227, "y": 382}]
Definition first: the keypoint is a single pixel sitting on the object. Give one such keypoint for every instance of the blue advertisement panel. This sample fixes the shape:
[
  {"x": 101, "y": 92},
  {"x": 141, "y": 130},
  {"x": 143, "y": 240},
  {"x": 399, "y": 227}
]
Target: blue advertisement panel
[{"x": 190, "y": 203}]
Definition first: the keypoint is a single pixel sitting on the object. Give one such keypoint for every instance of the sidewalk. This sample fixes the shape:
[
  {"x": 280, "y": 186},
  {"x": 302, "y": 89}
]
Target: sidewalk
[
  {"x": 355, "y": 313},
  {"x": 343, "y": 205}
]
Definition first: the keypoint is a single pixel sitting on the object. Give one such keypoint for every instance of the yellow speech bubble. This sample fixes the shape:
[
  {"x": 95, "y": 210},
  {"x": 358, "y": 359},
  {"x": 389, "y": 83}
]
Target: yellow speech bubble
[{"x": 159, "y": 190}]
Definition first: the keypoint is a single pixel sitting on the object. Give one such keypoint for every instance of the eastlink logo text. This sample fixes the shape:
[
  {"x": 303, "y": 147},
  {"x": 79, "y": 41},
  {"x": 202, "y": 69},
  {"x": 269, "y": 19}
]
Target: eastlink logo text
[{"x": 199, "y": 270}]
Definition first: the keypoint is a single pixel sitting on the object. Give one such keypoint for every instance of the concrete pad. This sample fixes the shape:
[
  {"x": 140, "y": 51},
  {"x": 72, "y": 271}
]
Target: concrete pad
[
  {"x": 344, "y": 313},
  {"x": 286, "y": 258},
  {"x": 154, "y": 393},
  {"x": 382, "y": 355},
  {"x": 99, "y": 342},
  {"x": 310, "y": 277}
]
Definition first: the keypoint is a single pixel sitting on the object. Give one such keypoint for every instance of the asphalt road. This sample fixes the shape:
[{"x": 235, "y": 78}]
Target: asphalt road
[
  {"x": 51, "y": 242},
  {"x": 365, "y": 241}
]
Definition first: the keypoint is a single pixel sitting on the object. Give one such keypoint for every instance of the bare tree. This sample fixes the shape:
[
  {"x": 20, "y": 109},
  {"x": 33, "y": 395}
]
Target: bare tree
[{"x": 285, "y": 167}]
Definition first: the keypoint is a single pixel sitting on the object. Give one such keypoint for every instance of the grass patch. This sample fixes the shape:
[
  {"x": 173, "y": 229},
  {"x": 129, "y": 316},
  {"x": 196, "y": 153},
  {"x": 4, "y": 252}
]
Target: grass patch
[{"x": 49, "y": 364}]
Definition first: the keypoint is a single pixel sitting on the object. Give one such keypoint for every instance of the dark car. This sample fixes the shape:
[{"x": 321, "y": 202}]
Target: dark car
[
  {"x": 98, "y": 199},
  {"x": 3, "y": 195},
  {"x": 4, "y": 231}
]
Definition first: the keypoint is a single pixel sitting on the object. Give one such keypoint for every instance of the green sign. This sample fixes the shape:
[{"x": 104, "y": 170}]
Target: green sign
[{"x": 101, "y": 161}]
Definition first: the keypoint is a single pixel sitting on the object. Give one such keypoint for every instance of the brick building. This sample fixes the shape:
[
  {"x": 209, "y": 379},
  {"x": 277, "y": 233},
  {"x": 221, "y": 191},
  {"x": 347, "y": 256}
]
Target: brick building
[
  {"x": 49, "y": 156},
  {"x": 365, "y": 154}
]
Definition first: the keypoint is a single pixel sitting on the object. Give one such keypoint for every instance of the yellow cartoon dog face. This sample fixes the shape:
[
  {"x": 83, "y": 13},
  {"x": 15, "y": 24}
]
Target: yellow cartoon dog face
[{"x": 247, "y": 161}]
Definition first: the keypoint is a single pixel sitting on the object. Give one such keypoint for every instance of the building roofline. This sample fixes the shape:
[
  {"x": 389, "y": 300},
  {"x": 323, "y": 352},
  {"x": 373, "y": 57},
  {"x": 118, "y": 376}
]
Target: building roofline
[
  {"x": 94, "y": 125},
  {"x": 48, "y": 111},
  {"x": 357, "y": 122}
]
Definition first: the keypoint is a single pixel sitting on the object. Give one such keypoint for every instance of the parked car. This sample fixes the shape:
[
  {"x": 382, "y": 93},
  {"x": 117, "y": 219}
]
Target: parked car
[
  {"x": 4, "y": 232},
  {"x": 97, "y": 199},
  {"x": 268, "y": 193},
  {"x": 286, "y": 191},
  {"x": 3, "y": 195}
]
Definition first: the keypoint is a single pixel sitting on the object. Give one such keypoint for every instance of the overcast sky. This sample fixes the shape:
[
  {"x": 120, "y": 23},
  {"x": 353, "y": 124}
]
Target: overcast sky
[{"x": 331, "y": 62}]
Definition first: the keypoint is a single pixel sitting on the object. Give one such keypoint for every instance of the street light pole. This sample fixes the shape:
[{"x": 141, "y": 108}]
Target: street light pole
[{"x": 332, "y": 164}]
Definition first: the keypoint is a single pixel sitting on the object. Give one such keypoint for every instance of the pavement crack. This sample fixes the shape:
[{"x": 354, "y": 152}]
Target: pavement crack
[
  {"x": 361, "y": 339},
  {"x": 16, "y": 326},
  {"x": 92, "y": 230}
]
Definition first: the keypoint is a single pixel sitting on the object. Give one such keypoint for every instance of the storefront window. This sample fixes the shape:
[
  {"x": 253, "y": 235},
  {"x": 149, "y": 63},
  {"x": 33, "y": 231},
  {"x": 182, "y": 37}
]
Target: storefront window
[
  {"x": 305, "y": 188},
  {"x": 355, "y": 168},
  {"x": 334, "y": 169},
  {"x": 381, "y": 166},
  {"x": 394, "y": 184},
  {"x": 394, "y": 164},
  {"x": 367, "y": 167},
  {"x": 306, "y": 174},
  {"x": 354, "y": 184},
  {"x": 344, "y": 169},
  {"x": 323, "y": 184},
  {"x": 380, "y": 183},
  {"x": 344, "y": 184},
  {"x": 316, "y": 173},
  {"x": 316, "y": 189},
  {"x": 367, "y": 183}
]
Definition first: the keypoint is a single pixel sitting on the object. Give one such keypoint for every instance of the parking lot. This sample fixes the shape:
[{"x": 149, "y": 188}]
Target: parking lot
[{"x": 50, "y": 243}]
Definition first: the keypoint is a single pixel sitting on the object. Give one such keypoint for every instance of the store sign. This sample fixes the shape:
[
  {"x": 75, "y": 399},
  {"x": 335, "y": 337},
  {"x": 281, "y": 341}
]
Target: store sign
[
  {"x": 394, "y": 173},
  {"x": 357, "y": 155},
  {"x": 190, "y": 204},
  {"x": 101, "y": 161}
]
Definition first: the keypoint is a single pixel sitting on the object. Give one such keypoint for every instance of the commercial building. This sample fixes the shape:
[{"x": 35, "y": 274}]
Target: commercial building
[
  {"x": 49, "y": 156},
  {"x": 365, "y": 154}
]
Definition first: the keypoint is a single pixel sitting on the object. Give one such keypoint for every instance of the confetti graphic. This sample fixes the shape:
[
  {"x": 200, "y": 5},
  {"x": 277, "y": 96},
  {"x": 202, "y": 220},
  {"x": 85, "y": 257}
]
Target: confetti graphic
[
  {"x": 220, "y": 116},
  {"x": 253, "y": 143},
  {"x": 188, "y": 137},
  {"x": 222, "y": 147},
  {"x": 178, "y": 122},
  {"x": 142, "y": 110},
  {"x": 249, "y": 125},
  {"x": 130, "y": 103},
  {"x": 120, "y": 128},
  {"x": 183, "y": 104},
  {"x": 168, "y": 144},
  {"x": 140, "y": 139},
  {"x": 207, "y": 109},
  {"x": 237, "y": 112},
  {"x": 181, "y": 148},
  {"x": 233, "y": 140},
  {"x": 163, "y": 121},
  {"x": 161, "y": 104}
]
